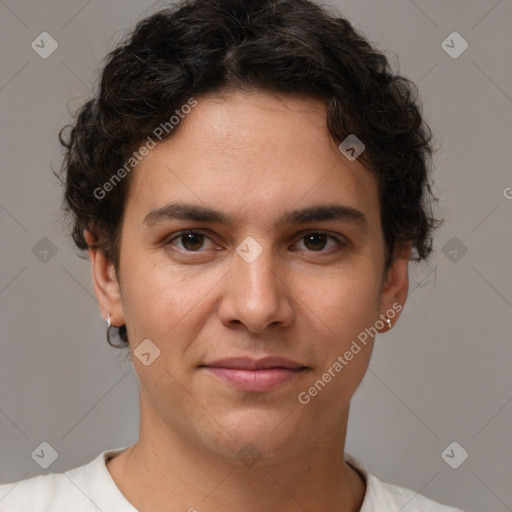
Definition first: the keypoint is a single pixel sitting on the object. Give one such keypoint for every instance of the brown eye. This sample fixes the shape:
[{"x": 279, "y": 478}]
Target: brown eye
[
  {"x": 191, "y": 241},
  {"x": 316, "y": 242}
]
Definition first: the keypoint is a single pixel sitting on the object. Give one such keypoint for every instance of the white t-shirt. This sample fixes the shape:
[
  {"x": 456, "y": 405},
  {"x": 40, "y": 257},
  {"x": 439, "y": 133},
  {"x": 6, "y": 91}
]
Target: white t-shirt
[{"x": 90, "y": 488}]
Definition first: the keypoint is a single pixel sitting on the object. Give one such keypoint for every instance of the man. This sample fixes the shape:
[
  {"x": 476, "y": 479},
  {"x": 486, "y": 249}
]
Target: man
[{"x": 250, "y": 184}]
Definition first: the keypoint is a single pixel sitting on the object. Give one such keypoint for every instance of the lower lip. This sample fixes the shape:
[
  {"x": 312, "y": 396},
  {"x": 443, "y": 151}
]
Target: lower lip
[{"x": 256, "y": 380}]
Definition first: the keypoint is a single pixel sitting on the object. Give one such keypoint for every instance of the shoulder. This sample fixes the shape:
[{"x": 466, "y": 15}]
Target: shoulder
[
  {"x": 389, "y": 497},
  {"x": 55, "y": 492},
  {"x": 384, "y": 497}
]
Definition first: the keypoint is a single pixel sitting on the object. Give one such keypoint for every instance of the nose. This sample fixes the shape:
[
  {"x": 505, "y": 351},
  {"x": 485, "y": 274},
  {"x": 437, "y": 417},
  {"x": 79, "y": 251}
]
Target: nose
[{"x": 256, "y": 293}]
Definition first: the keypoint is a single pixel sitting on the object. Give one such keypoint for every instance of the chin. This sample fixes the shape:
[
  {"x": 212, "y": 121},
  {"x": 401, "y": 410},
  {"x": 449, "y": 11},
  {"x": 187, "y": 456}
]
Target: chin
[{"x": 268, "y": 437}]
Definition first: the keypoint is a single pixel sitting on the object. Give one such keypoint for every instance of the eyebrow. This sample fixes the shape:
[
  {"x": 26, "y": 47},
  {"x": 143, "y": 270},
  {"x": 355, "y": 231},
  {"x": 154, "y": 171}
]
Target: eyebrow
[{"x": 315, "y": 213}]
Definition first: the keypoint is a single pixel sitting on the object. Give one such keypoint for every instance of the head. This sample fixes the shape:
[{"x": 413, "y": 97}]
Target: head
[{"x": 224, "y": 119}]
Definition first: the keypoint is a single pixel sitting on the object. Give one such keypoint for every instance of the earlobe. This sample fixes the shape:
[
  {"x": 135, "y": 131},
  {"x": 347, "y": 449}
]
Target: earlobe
[{"x": 106, "y": 286}]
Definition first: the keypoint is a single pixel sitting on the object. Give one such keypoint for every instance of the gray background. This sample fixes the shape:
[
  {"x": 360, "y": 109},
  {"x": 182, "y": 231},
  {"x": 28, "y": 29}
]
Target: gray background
[{"x": 441, "y": 375}]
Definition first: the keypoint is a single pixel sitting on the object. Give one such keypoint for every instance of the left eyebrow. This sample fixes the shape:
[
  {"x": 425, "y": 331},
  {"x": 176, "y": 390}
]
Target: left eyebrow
[{"x": 315, "y": 213}]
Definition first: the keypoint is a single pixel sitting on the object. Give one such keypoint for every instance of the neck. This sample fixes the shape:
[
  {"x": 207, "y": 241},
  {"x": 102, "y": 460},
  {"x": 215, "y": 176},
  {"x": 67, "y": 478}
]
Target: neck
[{"x": 166, "y": 471}]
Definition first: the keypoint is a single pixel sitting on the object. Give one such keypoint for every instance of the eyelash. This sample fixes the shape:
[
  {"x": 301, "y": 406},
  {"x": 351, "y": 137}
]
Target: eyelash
[{"x": 176, "y": 236}]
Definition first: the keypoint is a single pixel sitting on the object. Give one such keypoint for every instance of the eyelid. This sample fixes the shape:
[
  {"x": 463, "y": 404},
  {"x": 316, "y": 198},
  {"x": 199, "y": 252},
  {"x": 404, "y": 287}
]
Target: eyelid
[
  {"x": 340, "y": 240},
  {"x": 337, "y": 237},
  {"x": 177, "y": 235}
]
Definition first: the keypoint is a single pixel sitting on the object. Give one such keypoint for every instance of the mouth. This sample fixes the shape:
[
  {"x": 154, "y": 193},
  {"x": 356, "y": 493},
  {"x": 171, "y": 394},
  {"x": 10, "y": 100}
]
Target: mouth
[{"x": 255, "y": 375}]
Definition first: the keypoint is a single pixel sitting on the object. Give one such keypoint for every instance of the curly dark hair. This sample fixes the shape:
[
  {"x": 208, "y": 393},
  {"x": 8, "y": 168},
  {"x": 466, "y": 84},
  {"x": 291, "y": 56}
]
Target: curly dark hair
[{"x": 291, "y": 47}]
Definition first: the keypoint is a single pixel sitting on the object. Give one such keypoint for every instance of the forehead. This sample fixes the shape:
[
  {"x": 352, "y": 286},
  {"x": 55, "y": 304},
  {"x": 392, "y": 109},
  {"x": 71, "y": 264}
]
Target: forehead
[{"x": 250, "y": 154}]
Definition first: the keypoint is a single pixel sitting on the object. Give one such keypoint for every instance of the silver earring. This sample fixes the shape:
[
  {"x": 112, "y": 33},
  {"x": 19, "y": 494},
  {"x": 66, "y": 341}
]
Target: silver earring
[
  {"x": 109, "y": 334},
  {"x": 388, "y": 321}
]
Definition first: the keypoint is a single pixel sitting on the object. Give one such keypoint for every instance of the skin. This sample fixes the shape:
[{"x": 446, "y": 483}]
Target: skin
[{"x": 253, "y": 156}]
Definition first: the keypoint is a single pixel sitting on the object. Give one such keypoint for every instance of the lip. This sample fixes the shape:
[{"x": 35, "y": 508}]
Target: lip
[
  {"x": 247, "y": 363},
  {"x": 255, "y": 375}
]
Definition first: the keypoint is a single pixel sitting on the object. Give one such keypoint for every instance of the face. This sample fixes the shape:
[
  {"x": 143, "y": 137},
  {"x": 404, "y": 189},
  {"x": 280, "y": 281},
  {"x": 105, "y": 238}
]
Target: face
[{"x": 283, "y": 257}]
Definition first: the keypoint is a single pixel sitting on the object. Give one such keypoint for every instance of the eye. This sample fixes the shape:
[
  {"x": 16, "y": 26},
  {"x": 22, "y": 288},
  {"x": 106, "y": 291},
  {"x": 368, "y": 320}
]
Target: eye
[
  {"x": 316, "y": 241},
  {"x": 191, "y": 240}
]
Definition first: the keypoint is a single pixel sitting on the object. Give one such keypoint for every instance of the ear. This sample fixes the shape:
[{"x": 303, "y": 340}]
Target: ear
[
  {"x": 395, "y": 287},
  {"x": 106, "y": 286}
]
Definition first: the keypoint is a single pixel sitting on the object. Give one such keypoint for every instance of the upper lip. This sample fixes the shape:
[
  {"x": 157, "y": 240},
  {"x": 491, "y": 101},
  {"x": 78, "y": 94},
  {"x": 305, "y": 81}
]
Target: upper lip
[{"x": 247, "y": 363}]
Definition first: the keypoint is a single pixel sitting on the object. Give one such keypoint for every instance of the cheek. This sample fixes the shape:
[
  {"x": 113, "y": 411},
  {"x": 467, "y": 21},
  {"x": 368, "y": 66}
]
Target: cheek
[
  {"x": 160, "y": 302},
  {"x": 149, "y": 297},
  {"x": 344, "y": 307},
  {"x": 346, "y": 300},
  {"x": 344, "y": 346}
]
